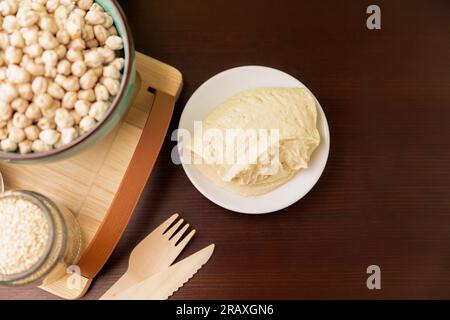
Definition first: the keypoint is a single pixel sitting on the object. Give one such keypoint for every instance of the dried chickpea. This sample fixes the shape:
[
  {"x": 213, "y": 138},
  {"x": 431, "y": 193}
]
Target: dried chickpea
[
  {"x": 21, "y": 121},
  {"x": 86, "y": 124},
  {"x": 16, "y": 134},
  {"x": 8, "y": 146},
  {"x": 32, "y": 133},
  {"x": 40, "y": 146},
  {"x": 20, "y": 105},
  {"x": 25, "y": 147},
  {"x": 88, "y": 80},
  {"x": 5, "y": 111},
  {"x": 101, "y": 93},
  {"x": 49, "y": 136},
  {"x": 33, "y": 112},
  {"x": 63, "y": 119},
  {"x": 82, "y": 107},
  {"x": 79, "y": 68},
  {"x": 69, "y": 100},
  {"x": 39, "y": 85},
  {"x": 56, "y": 91},
  {"x": 87, "y": 95}
]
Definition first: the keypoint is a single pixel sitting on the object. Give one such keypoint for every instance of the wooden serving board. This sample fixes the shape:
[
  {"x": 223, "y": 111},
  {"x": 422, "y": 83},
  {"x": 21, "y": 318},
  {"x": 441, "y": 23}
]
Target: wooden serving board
[{"x": 102, "y": 185}]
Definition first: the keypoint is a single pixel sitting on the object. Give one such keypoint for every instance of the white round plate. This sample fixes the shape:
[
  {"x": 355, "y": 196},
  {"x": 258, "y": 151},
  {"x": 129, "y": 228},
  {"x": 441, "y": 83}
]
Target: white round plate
[{"x": 218, "y": 89}]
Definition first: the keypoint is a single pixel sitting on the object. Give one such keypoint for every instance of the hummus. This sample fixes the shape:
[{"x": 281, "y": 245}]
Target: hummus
[{"x": 275, "y": 134}]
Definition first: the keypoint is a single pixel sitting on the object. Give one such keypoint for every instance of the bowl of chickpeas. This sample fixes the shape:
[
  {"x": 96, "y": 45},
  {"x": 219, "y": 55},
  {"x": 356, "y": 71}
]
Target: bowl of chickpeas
[{"x": 67, "y": 76}]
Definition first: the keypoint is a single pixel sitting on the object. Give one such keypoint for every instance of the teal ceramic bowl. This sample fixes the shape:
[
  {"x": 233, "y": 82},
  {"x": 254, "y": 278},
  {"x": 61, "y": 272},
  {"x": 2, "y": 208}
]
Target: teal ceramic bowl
[{"x": 117, "y": 110}]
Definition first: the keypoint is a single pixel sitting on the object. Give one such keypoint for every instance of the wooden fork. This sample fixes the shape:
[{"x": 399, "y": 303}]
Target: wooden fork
[{"x": 153, "y": 254}]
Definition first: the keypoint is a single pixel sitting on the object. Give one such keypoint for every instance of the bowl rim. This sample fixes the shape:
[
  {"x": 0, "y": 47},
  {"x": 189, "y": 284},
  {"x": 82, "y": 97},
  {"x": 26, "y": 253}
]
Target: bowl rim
[{"x": 126, "y": 79}]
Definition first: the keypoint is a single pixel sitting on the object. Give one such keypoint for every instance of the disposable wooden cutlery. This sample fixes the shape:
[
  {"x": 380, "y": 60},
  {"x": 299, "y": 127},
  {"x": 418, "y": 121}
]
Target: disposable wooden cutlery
[{"x": 153, "y": 254}]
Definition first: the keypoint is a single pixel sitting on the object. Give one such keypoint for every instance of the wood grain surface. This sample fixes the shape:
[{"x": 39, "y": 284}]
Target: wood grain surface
[{"x": 384, "y": 198}]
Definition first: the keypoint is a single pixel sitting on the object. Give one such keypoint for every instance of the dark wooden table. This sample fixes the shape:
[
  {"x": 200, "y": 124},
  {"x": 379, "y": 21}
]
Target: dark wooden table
[{"x": 384, "y": 198}]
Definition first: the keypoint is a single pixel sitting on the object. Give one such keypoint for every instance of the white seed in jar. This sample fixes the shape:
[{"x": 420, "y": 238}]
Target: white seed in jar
[
  {"x": 3, "y": 133},
  {"x": 92, "y": 44},
  {"x": 39, "y": 85},
  {"x": 87, "y": 123},
  {"x": 16, "y": 134},
  {"x": 108, "y": 22},
  {"x": 79, "y": 68},
  {"x": 74, "y": 25},
  {"x": 32, "y": 132},
  {"x": 20, "y": 120},
  {"x": 114, "y": 43},
  {"x": 40, "y": 146},
  {"x": 61, "y": 15},
  {"x": 63, "y": 118},
  {"x": 33, "y": 112},
  {"x": 20, "y": 105},
  {"x": 69, "y": 100},
  {"x": 46, "y": 123},
  {"x": 52, "y": 5},
  {"x": 8, "y": 92},
  {"x": 49, "y": 112},
  {"x": 25, "y": 147},
  {"x": 88, "y": 33},
  {"x": 82, "y": 107},
  {"x": 68, "y": 135},
  {"x": 88, "y": 80},
  {"x": 101, "y": 93},
  {"x": 96, "y": 7},
  {"x": 75, "y": 116},
  {"x": 9, "y": 7},
  {"x": 98, "y": 110},
  {"x": 43, "y": 100},
  {"x": 8, "y": 145},
  {"x": 49, "y": 136},
  {"x": 5, "y": 111},
  {"x": 30, "y": 35}
]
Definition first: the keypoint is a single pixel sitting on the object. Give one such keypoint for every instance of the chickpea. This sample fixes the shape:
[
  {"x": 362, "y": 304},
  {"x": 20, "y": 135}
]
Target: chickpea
[
  {"x": 8, "y": 146},
  {"x": 64, "y": 67},
  {"x": 10, "y": 24},
  {"x": 35, "y": 69},
  {"x": 25, "y": 91},
  {"x": 13, "y": 55},
  {"x": 93, "y": 59},
  {"x": 88, "y": 33},
  {"x": 85, "y": 4},
  {"x": 25, "y": 147},
  {"x": 33, "y": 50},
  {"x": 101, "y": 34},
  {"x": 47, "y": 23},
  {"x": 88, "y": 80},
  {"x": 30, "y": 35},
  {"x": 32, "y": 133},
  {"x": 68, "y": 135},
  {"x": 95, "y": 17},
  {"x": 49, "y": 136},
  {"x": 46, "y": 123},
  {"x": 101, "y": 93},
  {"x": 17, "y": 75},
  {"x": 43, "y": 100},
  {"x": 39, "y": 85},
  {"x": 40, "y": 146},
  {"x": 71, "y": 84},
  {"x": 111, "y": 72},
  {"x": 52, "y": 5},
  {"x": 118, "y": 63},
  {"x": 48, "y": 41},
  {"x": 86, "y": 124},
  {"x": 79, "y": 68},
  {"x": 28, "y": 18},
  {"x": 82, "y": 107},
  {"x": 107, "y": 54},
  {"x": 108, "y": 22},
  {"x": 74, "y": 55},
  {"x": 98, "y": 110},
  {"x": 16, "y": 134},
  {"x": 33, "y": 112},
  {"x": 55, "y": 91},
  {"x": 61, "y": 51},
  {"x": 63, "y": 37},
  {"x": 8, "y": 92},
  {"x": 16, "y": 39},
  {"x": 63, "y": 119},
  {"x": 4, "y": 40},
  {"x": 87, "y": 95},
  {"x": 75, "y": 116},
  {"x": 20, "y": 105},
  {"x": 20, "y": 120},
  {"x": 92, "y": 44},
  {"x": 112, "y": 85},
  {"x": 69, "y": 100},
  {"x": 5, "y": 111},
  {"x": 9, "y": 7},
  {"x": 50, "y": 58}
]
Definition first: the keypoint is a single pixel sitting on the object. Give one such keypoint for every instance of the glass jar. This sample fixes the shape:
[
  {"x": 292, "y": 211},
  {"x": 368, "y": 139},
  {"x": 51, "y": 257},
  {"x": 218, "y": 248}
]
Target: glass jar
[{"x": 61, "y": 248}]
